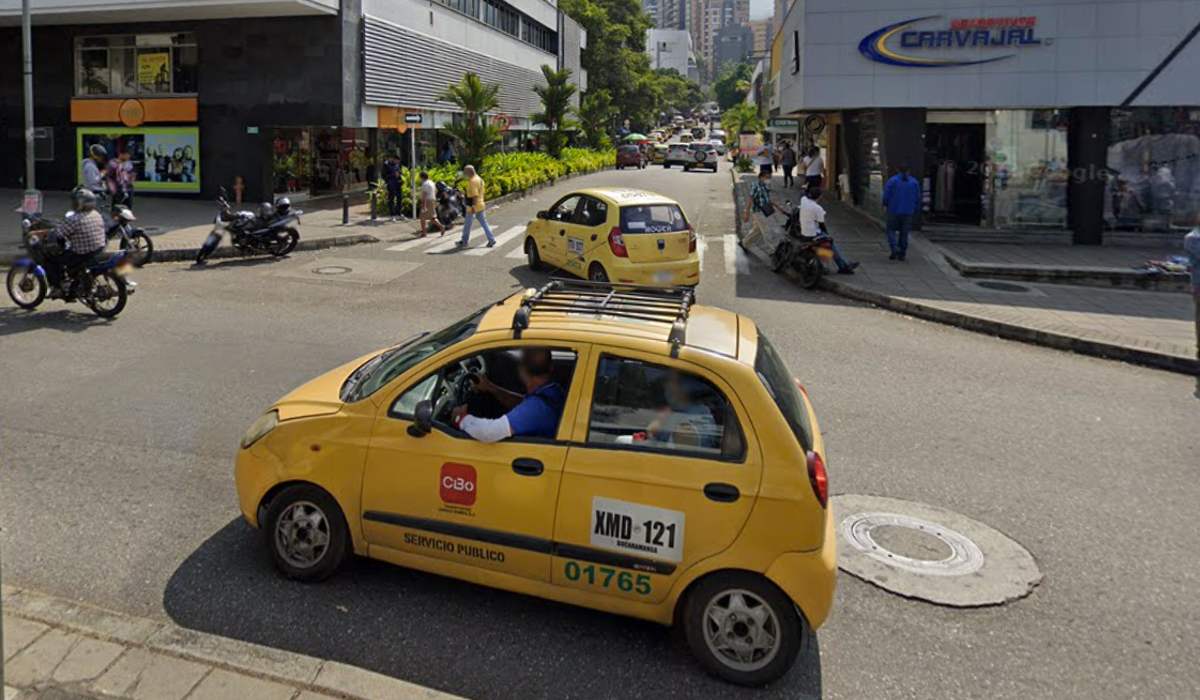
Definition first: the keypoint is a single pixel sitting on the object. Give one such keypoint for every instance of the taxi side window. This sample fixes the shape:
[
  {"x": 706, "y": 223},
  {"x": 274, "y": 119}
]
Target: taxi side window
[
  {"x": 640, "y": 405},
  {"x": 593, "y": 212},
  {"x": 565, "y": 209}
]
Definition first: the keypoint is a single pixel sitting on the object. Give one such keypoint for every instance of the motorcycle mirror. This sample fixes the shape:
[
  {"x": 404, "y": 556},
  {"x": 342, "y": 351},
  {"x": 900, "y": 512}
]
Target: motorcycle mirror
[{"x": 422, "y": 419}]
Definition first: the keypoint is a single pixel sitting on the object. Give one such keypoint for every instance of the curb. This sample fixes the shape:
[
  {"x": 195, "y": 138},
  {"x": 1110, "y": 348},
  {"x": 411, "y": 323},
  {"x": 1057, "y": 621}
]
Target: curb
[
  {"x": 254, "y": 660},
  {"x": 1008, "y": 331},
  {"x": 1101, "y": 277}
]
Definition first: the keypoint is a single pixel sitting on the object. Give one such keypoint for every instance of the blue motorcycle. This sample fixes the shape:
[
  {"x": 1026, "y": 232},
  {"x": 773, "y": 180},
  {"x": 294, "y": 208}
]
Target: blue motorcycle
[{"x": 101, "y": 286}]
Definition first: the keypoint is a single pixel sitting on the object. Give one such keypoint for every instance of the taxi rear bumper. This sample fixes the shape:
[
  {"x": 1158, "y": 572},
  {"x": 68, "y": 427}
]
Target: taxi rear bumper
[{"x": 684, "y": 272}]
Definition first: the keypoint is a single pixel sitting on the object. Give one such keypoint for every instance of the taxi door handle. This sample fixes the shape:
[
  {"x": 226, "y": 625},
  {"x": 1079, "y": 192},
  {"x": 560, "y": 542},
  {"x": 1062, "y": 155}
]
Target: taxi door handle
[
  {"x": 562, "y": 232},
  {"x": 722, "y": 493},
  {"x": 527, "y": 467}
]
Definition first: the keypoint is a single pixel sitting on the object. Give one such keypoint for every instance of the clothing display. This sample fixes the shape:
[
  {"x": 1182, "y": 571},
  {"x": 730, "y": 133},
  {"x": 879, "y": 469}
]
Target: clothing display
[{"x": 943, "y": 189}]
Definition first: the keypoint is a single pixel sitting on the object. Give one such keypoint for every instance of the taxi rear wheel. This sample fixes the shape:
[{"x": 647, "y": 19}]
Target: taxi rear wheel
[
  {"x": 596, "y": 273},
  {"x": 306, "y": 533},
  {"x": 742, "y": 628}
]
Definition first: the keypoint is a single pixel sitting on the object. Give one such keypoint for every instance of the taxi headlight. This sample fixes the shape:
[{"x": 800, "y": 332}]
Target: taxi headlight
[{"x": 265, "y": 424}]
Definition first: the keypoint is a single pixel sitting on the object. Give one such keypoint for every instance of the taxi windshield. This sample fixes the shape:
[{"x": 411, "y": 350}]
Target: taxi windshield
[{"x": 391, "y": 363}]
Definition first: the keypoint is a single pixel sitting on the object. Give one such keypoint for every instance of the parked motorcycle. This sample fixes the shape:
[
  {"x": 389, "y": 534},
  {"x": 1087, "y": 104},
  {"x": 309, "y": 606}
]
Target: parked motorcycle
[
  {"x": 133, "y": 239},
  {"x": 102, "y": 286},
  {"x": 449, "y": 204},
  {"x": 804, "y": 254},
  {"x": 272, "y": 229}
]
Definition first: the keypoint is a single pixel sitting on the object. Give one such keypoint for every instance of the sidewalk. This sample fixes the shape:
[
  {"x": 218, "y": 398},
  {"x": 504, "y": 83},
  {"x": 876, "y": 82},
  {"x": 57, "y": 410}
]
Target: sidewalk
[
  {"x": 1145, "y": 327},
  {"x": 54, "y": 648}
]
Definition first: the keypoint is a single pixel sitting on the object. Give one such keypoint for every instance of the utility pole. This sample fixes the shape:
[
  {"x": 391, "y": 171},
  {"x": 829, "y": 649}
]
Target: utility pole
[{"x": 27, "y": 62}]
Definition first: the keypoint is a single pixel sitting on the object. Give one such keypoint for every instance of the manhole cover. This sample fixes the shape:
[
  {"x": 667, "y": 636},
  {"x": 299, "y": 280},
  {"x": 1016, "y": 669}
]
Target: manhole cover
[
  {"x": 332, "y": 270},
  {"x": 1003, "y": 286},
  {"x": 924, "y": 552}
]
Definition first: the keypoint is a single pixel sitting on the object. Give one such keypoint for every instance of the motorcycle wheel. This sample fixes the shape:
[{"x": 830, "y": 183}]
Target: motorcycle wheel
[
  {"x": 25, "y": 287},
  {"x": 140, "y": 247},
  {"x": 108, "y": 295},
  {"x": 210, "y": 244},
  {"x": 780, "y": 256},
  {"x": 284, "y": 243},
  {"x": 810, "y": 270}
]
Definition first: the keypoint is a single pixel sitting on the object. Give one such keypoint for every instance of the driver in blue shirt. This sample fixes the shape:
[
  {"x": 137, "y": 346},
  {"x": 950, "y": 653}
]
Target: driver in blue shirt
[{"x": 534, "y": 414}]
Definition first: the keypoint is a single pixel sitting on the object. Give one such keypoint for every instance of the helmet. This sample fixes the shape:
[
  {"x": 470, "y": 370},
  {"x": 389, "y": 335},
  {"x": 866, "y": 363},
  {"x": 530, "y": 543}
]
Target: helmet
[
  {"x": 83, "y": 199},
  {"x": 266, "y": 210},
  {"x": 282, "y": 206},
  {"x": 98, "y": 151}
]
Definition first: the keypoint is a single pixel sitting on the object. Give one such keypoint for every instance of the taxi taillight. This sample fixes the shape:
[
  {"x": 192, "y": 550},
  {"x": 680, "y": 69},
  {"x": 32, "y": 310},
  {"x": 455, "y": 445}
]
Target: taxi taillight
[
  {"x": 691, "y": 239},
  {"x": 818, "y": 478},
  {"x": 616, "y": 242}
]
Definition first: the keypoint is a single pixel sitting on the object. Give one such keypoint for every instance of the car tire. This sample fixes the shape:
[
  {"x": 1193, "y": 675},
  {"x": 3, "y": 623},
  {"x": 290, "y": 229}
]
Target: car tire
[
  {"x": 596, "y": 273},
  {"x": 745, "y": 603},
  {"x": 666, "y": 165},
  {"x": 296, "y": 520},
  {"x": 532, "y": 256}
]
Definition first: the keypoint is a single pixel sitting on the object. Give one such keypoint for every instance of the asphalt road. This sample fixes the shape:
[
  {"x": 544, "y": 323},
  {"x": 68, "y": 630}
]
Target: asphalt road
[{"x": 117, "y": 445}]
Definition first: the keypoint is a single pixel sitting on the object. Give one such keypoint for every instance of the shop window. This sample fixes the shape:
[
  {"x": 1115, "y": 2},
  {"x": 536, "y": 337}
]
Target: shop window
[
  {"x": 1026, "y": 168},
  {"x": 1153, "y": 169},
  {"x": 292, "y": 161},
  {"x": 142, "y": 64}
]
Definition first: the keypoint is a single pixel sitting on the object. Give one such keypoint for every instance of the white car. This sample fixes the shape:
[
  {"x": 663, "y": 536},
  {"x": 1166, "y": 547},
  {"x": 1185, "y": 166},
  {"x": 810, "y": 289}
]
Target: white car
[
  {"x": 677, "y": 154},
  {"x": 701, "y": 155},
  {"x": 719, "y": 145}
]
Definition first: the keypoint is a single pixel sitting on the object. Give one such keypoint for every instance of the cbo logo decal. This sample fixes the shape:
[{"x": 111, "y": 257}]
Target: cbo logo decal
[{"x": 457, "y": 484}]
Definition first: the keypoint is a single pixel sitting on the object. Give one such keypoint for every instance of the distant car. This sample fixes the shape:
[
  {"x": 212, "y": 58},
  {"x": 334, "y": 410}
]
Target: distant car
[
  {"x": 698, "y": 132},
  {"x": 677, "y": 154},
  {"x": 660, "y": 153},
  {"x": 719, "y": 145},
  {"x": 686, "y": 137},
  {"x": 630, "y": 155},
  {"x": 716, "y": 134},
  {"x": 701, "y": 155}
]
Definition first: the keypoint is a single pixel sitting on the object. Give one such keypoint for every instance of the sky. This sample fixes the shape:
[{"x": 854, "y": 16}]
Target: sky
[{"x": 761, "y": 9}]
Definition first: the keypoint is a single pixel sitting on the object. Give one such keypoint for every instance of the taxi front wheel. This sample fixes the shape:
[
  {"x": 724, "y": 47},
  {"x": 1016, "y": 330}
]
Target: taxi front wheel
[
  {"x": 742, "y": 628},
  {"x": 306, "y": 533}
]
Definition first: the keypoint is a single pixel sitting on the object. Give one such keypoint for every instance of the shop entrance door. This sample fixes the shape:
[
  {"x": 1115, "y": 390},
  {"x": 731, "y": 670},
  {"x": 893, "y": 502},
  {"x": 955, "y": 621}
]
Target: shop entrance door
[{"x": 954, "y": 162}]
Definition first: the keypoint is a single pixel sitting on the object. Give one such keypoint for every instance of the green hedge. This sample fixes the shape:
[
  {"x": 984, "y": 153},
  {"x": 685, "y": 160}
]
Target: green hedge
[{"x": 503, "y": 173}]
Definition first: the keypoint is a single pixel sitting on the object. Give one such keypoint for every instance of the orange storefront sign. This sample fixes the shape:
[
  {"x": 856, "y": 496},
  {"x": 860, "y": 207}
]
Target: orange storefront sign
[{"x": 134, "y": 111}]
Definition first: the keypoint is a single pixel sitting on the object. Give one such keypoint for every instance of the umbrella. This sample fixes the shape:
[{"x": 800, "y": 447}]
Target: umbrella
[{"x": 637, "y": 137}]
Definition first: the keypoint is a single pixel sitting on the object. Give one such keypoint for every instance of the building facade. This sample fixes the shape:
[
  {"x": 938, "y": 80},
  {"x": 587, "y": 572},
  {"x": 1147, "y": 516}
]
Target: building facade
[
  {"x": 670, "y": 48},
  {"x": 1072, "y": 120},
  {"x": 762, "y": 30},
  {"x": 303, "y": 97},
  {"x": 706, "y": 18},
  {"x": 734, "y": 44}
]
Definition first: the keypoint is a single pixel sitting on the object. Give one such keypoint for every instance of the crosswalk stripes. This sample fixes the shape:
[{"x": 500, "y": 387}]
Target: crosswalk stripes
[
  {"x": 736, "y": 261},
  {"x": 517, "y": 253},
  {"x": 701, "y": 247},
  {"x": 500, "y": 240},
  {"x": 420, "y": 242},
  {"x": 445, "y": 245}
]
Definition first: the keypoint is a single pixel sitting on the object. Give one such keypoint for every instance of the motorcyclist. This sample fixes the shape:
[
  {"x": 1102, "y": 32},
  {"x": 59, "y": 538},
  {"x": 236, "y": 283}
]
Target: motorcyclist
[{"x": 84, "y": 231}]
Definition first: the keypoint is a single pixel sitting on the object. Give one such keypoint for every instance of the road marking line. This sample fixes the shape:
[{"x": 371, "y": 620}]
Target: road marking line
[
  {"x": 736, "y": 261},
  {"x": 517, "y": 253},
  {"x": 500, "y": 240},
  {"x": 444, "y": 245},
  {"x": 701, "y": 246},
  {"x": 416, "y": 243}
]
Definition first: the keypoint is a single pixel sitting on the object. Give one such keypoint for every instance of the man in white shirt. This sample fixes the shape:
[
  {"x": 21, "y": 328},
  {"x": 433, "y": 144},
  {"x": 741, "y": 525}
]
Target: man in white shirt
[
  {"x": 428, "y": 205},
  {"x": 815, "y": 168},
  {"x": 812, "y": 223}
]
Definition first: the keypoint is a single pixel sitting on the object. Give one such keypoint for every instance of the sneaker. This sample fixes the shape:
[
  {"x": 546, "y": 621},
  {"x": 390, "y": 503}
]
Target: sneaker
[
  {"x": 893, "y": 256},
  {"x": 491, "y": 244},
  {"x": 460, "y": 244}
]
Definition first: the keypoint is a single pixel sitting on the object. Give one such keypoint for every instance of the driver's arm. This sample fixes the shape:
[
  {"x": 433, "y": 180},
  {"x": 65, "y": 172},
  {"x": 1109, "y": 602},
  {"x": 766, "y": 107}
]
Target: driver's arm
[
  {"x": 508, "y": 399},
  {"x": 486, "y": 429}
]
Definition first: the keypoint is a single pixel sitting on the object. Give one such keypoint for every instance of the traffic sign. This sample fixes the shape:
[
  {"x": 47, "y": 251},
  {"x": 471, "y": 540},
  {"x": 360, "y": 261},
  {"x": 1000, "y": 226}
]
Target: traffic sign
[{"x": 412, "y": 118}]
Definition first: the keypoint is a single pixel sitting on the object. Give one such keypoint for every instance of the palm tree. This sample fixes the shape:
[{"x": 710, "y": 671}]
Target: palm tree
[
  {"x": 556, "y": 97},
  {"x": 475, "y": 133},
  {"x": 742, "y": 118},
  {"x": 595, "y": 110}
]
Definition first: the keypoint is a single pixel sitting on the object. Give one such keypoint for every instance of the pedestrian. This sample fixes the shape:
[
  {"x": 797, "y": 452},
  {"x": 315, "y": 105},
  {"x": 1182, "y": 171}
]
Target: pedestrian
[
  {"x": 787, "y": 159},
  {"x": 901, "y": 199},
  {"x": 760, "y": 202},
  {"x": 121, "y": 177},
  {"x": 764, "y": 160},
  {"x": 475, "y": 208},
  {"x": 1191, "y": 244},
  {"x": 447, "y": 154},
  {"x": 93, "y": 169},
  {"x": 429, "y": 205},
  {"x": 391, "y": 178},
  {"x": 813, "y": 171},
  {"x": 812, "y": 223}
]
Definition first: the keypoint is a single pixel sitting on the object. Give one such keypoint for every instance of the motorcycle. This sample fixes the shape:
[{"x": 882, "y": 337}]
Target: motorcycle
[
  {"x": 102, "y": 286},
  {"x": 270, "y": 230},
  {"x": 132, "y": 238},
  {"x": 804, "y": 254},
  {"x": 449, "y": 204}
]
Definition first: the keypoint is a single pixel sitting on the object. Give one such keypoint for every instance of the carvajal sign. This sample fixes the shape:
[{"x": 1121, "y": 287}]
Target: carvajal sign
[{"x": 975, "y": 39}]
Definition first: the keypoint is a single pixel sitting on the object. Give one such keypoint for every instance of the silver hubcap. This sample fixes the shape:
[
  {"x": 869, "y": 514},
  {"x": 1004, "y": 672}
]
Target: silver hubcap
[
  {"x": 741, "y": 630},
  {"x": 302, "y": 534},
  {"x": 24, "y": 288}
]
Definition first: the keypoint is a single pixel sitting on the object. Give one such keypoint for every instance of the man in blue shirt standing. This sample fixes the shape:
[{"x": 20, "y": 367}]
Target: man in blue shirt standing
[
  {"x": 901, "y": 198},
  {"x": 535, "y": 414}
]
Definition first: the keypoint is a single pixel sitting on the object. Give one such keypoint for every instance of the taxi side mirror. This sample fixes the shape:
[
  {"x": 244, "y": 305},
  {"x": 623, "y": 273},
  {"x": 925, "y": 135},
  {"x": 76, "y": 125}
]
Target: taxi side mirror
[
  {"x": 542, "y": 215},
  {"x": 422, "y": 419}
]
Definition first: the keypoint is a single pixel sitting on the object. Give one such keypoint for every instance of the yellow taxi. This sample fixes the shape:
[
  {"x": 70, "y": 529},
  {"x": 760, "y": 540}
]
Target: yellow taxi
[
  {"x": 615, "y": 234},
  {"x": 678, "y": 476}
]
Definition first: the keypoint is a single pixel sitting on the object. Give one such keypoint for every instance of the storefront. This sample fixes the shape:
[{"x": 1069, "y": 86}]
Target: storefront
[{"x": 1069, "y": 122}]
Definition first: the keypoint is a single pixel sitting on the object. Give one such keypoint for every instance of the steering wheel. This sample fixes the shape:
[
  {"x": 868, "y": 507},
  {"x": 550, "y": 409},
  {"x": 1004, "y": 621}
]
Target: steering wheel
[{"x": 457, "y": 385}]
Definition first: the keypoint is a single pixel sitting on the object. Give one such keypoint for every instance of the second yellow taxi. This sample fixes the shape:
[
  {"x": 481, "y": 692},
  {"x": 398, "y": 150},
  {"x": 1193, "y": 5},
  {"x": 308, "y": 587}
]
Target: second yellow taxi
[{"x": 614, "y": 234}]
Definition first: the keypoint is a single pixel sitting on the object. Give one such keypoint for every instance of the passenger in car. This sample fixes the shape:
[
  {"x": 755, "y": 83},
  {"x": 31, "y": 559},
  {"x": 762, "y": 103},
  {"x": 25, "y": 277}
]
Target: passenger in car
[
  {"x": 681, "y": 422},
  {"x": 534, "y": 414}
]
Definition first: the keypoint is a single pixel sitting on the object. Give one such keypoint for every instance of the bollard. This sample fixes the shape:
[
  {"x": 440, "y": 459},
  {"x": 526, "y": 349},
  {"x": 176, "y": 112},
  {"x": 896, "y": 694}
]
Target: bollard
[
  {"x": 345, "y": 209},
  {"x": 374, "y": 199}
]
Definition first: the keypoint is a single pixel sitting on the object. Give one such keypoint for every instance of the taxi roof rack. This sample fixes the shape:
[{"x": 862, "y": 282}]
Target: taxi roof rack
[{"x": 669, "y": 305}]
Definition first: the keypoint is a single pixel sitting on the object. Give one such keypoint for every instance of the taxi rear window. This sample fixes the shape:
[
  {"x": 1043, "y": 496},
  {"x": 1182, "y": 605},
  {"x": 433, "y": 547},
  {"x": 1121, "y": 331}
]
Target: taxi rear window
[
  {"x": 652, "y": 218},
  {"x": 781, "y": 385}
]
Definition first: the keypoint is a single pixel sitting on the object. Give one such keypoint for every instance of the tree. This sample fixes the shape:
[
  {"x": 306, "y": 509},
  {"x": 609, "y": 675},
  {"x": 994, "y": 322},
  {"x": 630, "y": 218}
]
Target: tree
[
  {"x": 615, "y": 57},
  {"x": 595, "y": 110},
  {"x": 732, "y": 84},
  {"x": 742, "y": 118},
  {"x": 677, "y": 92},
  {"x": 556, "y": 107},
  {"x": 475, "y": 133}
]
